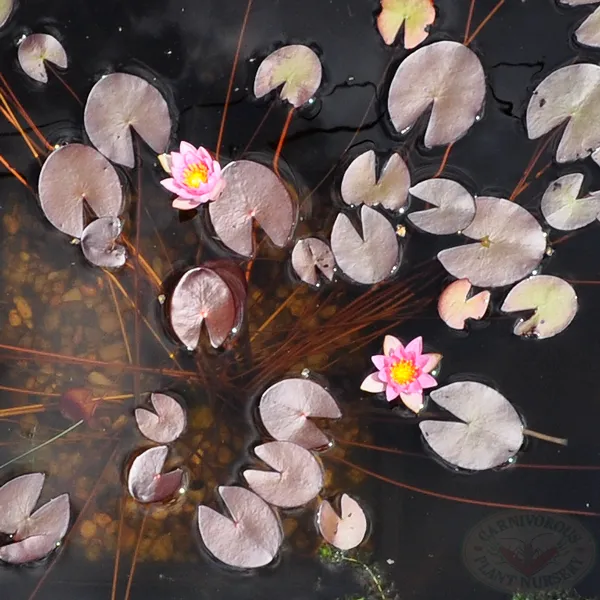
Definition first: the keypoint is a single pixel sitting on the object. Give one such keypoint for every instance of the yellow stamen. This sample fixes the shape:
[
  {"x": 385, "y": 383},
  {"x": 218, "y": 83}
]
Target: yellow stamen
[
  {"x": 195, "y": 175},
  {"x": 404, "y": 372}
]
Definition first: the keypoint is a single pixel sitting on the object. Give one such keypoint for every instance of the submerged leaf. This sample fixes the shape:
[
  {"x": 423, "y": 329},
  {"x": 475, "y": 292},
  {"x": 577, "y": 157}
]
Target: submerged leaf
[
  {"x": 510, "y": 245},
  {"x": 78, "y": 404},
  {"x": 297, "y": 477},
  {"x": 360, "y": 184},
  {"x": 35, "y": 50},
  {"x": 562, "y": 208},
  {"x": 455, "y": 206},
  {"x": 18, "y": 498},
  {"x": 446, "y": 75},
  {"x": 553, "y": 300},
  {"x": 311, "y": 256},
  {"x": 295, "y": 67},
  {"x": 369, "y": 258},
  {"x": 415, "y": 15},
  {"x": 202, "y": 297},
  {"x": 491, "y": 431},
  {"x": 249, "y": 539},
  {"x": 119, "y": 102},
  {"x": 287, "y": 407},
  {"x": 74, "y": 175},
  {"x": 252, "y": 192},
  {"x": 455, "y": 306},
  {"x": 167, "y": 424},
  {"x": 346, "y": 531},
  {"x": 147, "y": 483},
  {"x": 99, "y": 243}
]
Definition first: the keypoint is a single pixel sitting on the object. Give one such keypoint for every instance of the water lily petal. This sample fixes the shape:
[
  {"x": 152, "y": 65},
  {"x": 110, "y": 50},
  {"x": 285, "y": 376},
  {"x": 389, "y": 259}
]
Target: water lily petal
[
  {"x": 391, "y": 344},
  {"x": 185, "y": 204},
  {"x": 372, "y": 384},
  {"x": 413, "y": 401},
  {"x": 391, "y": 393},
  {"x": 427, "y": 381},
  {"x": 379, "y": 361},
  {"x": 431, "y": 362},
  {"x": 415, "y": 346}
]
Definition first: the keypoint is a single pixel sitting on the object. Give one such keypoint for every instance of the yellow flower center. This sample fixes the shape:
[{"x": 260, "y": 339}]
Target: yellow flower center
[
  {"x": 195, "y": 175},
  {"x": 404, "y": 372}
]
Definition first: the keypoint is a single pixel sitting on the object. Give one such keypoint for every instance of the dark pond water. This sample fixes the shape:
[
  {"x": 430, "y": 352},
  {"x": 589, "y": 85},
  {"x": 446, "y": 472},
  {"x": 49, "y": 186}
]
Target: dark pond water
[{"x": 421, "y": 546}]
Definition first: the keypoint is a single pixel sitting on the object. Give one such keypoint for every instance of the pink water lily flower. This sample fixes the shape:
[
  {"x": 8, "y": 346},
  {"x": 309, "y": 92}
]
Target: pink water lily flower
[
  {"x": 402, "y": 371},
  {"x": 195, "y": 176}
]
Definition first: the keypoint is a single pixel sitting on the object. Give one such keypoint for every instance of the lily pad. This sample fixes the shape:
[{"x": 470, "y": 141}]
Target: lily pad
[
  {"x": 286, "y": 410},
  {"x": 297, "y": 68},
  {"x": 297, "y": 477},
  {"x": 35, "y": 50},
  {"x": 6, "y": 9},
  {"x": 455, "y": 306},
  {"x": 346, "y": 531},
  {"x": 455, "y": 206},
  {"x": 415, "y": 15},
  {"x": 201, "y": 297},
  {"x": 75, "y": 175},
  {"x": 491, "y": 431},
  {"x": 252, "y": 192},
  {"x": 563, "y": 209},
  {"x": 146, "y": 481},
  {"x": 553, "y": 301},
  {"x": 510, "y": 245},
  {"x": 588, "y": 33},
  {"x": 310, "y": 257},
  {"x": 119, "y": 102},
  {"x": 235, "y": 278},
  {"x": 18, "y": 498},
  {"x": 360, "y": 184},
  {"x": 249, "y": 539},
  {"x": 446, "y": 76},
  {"x": 369, "y": 258},
  {"x": 164, "y": 426},
  {"x": 99, "y": 243}
]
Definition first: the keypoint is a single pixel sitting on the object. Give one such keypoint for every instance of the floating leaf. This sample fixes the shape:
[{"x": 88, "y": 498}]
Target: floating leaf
[
  {"x": 249, "y": 539},
  {"x": 455, "y": 206},
  {"x": 311, "y": 256},
  {"x": 295, "y": 67},
  {"x": 99, "y": 243},
  {"x": 147, "y": 483},
  {"x": 202, "y": 297},
  {"x": 446, "y": 75},
  {"x": 360, "y": 184},
  {"x": 415, "y": 15},
  {"x": 287, "y": 407},
  {"x": 562, "y": 208},
  {"x": 167, "y": 424},
  {"x": 18, "y": 498},
  {"x": 74, "y": 175},
  {"x": 51, "y": 520},
  {"x": 78, "y": 404},
  {"x": 298, "y": 477},
  {"x": 35, "y": 50},
  {"x": 571, "y": 93},
  {"x": 252, "y": 192},
  {"x": 370, "y": 258},
  {"x": 119, "y": 102},
  {"x": 510, "y": 245},
  {"x": 455, "y": 306},
  {"x": 588, "y": 32},
  {"x": 6, "y": 8},
  {"x": 235, "y": 278},
  {"x": 553, "y": 300},
  {"x": 346, "y": 531},
  {"x": 491, "y": 432}
]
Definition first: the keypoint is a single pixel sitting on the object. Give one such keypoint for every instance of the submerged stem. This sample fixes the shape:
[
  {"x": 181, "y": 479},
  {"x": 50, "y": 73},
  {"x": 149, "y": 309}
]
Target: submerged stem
[
  {"x": 546, "y": 438},
  {"x": 372, "y": 575}
]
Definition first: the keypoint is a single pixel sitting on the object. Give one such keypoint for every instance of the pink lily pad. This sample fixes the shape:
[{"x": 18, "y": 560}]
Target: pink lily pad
[
  {"x": 6, "y": 9},
  {"x": 446, "y": 75},
  {"x": 553, "y": 301},
  {"x": 310, "y": 257},
  {"x": 249, "y": 539},
  {"x": 455, "y": 206},
  {"x": 18, "y": 498},
  {"x": 346, "y": 531},
  {"x": 252, "y": 192},
  {"x": 235, "y": 278},
  {"x": 287, "y": 407},
  {"x": 147, "y": 483},
  {"x": 167, "y": 424},
  {"x": 563, "y": 209},
  {"x": 297, "y": 477},
  {"x": 588, "y": 33},
  {"x": 51, "y": 520},
  {"x": 295, "y": 67},
  {"x": 369, "y": 258},
  {"x": 491, "y": 431},
  {"x": 360, "y": 184},
  {"x": 74, "y": 175},
  {"x": 35, "y": 50},
  {"x": 455, "y": 306},
  {"x": 415, "y": 15},
  {"x": 201, "y": 297},
  {"x": 510, "y": 245},
  {"x": 99, "y": 243},
  {"x": 119, "y": 102}
]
